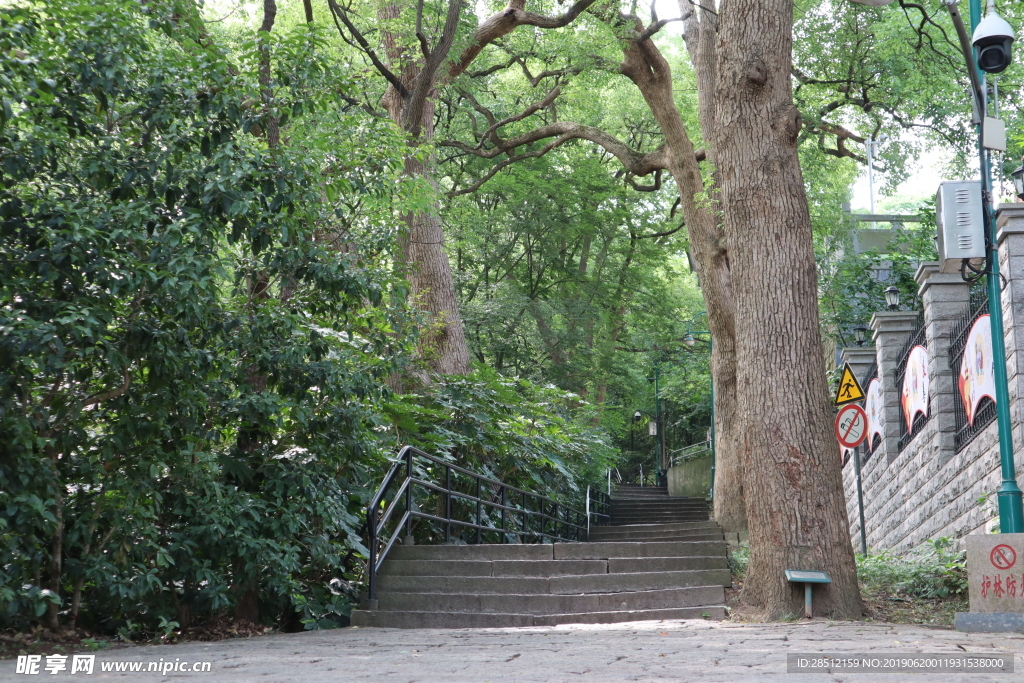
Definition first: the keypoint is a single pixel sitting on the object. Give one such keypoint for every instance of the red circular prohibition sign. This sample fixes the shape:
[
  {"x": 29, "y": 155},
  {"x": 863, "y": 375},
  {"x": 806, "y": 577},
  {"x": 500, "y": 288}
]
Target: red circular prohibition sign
[
  {"x": 851, "y": 425},
  {"x": 1003, "y": 556}
]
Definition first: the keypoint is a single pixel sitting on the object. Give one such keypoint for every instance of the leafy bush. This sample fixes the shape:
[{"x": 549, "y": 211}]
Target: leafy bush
[
  {"x": 739, "y": 558},
  {"x": 933, "y": 570},
  {"x": 189, "y": 370}
]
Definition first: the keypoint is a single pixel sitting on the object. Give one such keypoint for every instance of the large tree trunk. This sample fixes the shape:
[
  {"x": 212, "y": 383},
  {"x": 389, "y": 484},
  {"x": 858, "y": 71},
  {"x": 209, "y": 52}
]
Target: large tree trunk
[
  {"x": 424, "y": 260},
  {"x": 794, "y": 494},
  {"x": 443, "y": 341},
  {"x": 649, "y": 70},
  {"x": 701, "y": 37}
]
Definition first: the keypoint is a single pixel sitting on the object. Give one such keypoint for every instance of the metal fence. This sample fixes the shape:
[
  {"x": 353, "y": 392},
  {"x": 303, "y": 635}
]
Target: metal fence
[
  {"x": 966, "y": 429},
  {"x": 915, "y": 338}
]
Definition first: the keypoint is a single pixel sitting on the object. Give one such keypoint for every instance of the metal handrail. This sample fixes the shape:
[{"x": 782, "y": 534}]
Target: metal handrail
[
  {"x": 690, "y": 451},
  {"x": 566, "y": 523}
]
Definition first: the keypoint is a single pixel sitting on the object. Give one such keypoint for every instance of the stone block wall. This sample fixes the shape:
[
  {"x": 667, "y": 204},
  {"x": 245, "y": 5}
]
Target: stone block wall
[{"x": 929, "y": 490}]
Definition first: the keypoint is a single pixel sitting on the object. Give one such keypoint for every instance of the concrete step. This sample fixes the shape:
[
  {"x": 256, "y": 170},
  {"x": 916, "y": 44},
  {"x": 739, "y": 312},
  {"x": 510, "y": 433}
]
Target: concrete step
[
  {"x": 607, "y": 550},
  {"x": 696, "y": 515},
  {"x": 630, "y": 521},
  {"x": 658, "y": 507},
  {"x": 407, "y": 619},
  {"x": 483, "y": 551},
  {"x": 661, "y": 536},
  {"x": 633, "y": 565},
  {"x": 557, "y": 551},
  {"x": 536, "y": 568},
  {"x": 693, "y": 596},
  {"x": 558, "y": 585},
  {"x": 676, "y": 526}
]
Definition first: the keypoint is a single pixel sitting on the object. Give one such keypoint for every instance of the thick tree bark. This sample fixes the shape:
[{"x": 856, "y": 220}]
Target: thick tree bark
[
  {"x": 794, "y": 494},
  {"x": 701, "y": 37}
]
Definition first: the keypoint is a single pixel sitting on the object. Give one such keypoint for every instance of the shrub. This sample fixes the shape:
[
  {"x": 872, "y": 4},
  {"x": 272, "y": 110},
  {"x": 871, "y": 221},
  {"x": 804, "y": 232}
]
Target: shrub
[{"x": 932, "y": 570}]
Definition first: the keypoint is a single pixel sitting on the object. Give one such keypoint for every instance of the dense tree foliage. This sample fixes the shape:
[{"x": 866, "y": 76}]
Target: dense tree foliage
[
  {"x": 215, "y": 324},
  {"x": 197, "y": 328}
]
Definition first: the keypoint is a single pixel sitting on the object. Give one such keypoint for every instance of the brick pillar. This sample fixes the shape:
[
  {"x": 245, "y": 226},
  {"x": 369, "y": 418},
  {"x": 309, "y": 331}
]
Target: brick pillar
[
  {"x": 945, "y": 297},
  {"x": 890, "y": 334},
  {"x": 860, "y": 359},
  {"x": 1010, "y": 237}
]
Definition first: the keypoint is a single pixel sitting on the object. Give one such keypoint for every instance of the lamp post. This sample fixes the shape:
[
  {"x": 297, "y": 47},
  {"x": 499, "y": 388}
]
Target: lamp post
[
  {"x": 1018, "y": 181},
  {"x": 892, "y": 298},
  {"x": 858, "y": 334},
  {"x": 653, "y": 429},
  {"x": 994, "y": 57}
]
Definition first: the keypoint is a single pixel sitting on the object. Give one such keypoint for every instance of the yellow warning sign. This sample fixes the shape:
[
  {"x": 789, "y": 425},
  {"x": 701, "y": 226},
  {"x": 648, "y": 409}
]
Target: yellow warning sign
[{"x": 849, "y": 388}]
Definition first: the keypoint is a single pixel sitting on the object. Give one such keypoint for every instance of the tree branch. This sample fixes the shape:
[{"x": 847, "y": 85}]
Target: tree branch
[
  {"x": 391, "y": 78},
  {"x": 113, "y": 393},
  {"x": 411, "y": 117},
  {"x": 504, "y": 22}
]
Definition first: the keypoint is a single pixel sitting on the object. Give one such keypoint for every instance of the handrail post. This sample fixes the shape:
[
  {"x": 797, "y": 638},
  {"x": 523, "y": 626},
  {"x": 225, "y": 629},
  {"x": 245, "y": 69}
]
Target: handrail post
[
  {"x": 504, "y": 515},
  {"x": 588, "y": 512},
  {"x": 479, "y": 536},
  {"x": 408, "y": 498},
  {"x": 543, "y": 521},
  {"x": 526, "y": 515},
  {"x": 371, "y": 566},
  {"x": 448, "y": 504}
]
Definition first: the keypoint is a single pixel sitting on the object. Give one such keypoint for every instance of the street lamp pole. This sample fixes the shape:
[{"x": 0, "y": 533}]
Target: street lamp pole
[{"x": 1011, "y": 510}]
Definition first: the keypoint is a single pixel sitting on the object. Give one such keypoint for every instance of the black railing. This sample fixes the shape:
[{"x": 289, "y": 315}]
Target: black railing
[
  {"x": 873, "y": 442},
  {"x": 460, "y": 500},
  {"x": 967, "y": 429},
  {"x": 908, "y": 432}
]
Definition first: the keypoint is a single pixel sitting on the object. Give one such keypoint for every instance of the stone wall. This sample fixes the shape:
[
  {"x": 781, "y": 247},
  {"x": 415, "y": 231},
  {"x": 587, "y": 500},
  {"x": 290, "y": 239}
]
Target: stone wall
[
  {"x": 929, "y": 490},
  {"x": 691, "y": 478}
]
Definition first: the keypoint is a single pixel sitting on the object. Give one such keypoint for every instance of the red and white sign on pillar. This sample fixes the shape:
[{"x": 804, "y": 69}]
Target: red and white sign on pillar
[
  {"x": 995, "y": 572},
  {"x": 851, "y": 426}
]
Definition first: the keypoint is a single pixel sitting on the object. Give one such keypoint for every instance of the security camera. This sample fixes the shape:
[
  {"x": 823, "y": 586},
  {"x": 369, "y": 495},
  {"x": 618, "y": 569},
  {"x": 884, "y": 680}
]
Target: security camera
[
  {"x": 637, "y": 416},
  {"x": 993, "y": 39}
]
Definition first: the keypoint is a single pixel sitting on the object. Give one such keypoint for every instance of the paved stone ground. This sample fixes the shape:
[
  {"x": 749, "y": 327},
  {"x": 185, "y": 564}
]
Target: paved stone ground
[{"x": 638, "y": 651}]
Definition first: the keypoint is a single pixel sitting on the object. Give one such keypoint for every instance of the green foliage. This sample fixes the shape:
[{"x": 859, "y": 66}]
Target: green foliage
[
  {"x": 739, "y": 558},
  {"x": 534, "y": 437},
  {"x": 853, "y": 285},
  {"x": 189, "y": 368},
  {"x": 196, "y": 328},
  {"x": 933, "y": 570}
]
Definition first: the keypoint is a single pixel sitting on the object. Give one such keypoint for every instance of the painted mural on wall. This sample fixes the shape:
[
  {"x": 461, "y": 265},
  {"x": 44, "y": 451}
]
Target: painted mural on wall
[
  {"x": 977, "y": 376},
  {"x": 873, "y": 407},
  {"x": 914, "y": 395}
]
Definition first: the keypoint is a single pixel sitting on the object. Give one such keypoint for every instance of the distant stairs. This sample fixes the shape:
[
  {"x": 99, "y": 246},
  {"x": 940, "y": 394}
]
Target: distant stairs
[
  {"x": 662, "y": 558},
  {"x": 633, "y": 504}
]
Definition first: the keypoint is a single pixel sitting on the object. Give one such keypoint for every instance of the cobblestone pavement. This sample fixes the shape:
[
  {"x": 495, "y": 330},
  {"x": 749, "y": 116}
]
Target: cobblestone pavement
[{"x": 638, "y": 651}]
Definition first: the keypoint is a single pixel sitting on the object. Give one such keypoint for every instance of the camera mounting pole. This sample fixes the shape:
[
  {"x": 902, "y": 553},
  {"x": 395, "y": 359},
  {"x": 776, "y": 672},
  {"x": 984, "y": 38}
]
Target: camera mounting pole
[{"x": 994, "y": 35}]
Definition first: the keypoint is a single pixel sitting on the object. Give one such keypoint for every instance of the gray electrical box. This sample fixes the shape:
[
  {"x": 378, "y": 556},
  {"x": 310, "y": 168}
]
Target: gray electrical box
[{"x": 961, "y": 223}]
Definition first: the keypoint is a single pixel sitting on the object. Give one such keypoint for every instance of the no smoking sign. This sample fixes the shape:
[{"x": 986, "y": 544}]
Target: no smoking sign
[
  {"x": 851, "y": 426},
  {"x": 1003, "y": 557}
]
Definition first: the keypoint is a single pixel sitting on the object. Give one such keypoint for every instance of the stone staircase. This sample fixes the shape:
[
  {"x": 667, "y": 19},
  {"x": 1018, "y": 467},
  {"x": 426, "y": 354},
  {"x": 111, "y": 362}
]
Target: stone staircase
[
  {"x": 672, "y": 567},
  {"x": 633, "y": 504}
]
